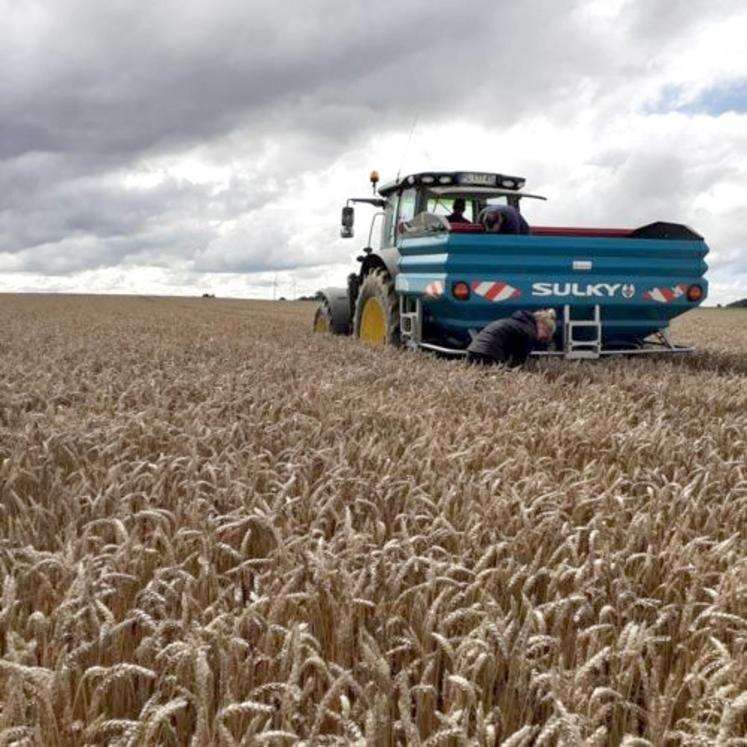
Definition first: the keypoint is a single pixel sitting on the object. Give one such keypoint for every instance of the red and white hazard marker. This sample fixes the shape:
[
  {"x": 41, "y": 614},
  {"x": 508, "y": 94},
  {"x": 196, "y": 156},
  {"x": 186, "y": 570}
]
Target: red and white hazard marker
[
  {"x": 434, "y": 289},
  {"x": 495, "y": 291},
  {"x": 666, "y": 295}
]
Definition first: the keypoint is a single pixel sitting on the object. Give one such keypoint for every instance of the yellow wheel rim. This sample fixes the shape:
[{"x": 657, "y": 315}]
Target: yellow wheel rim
[
  {"x": 321, "y": 323},
  {"x": 373, "y": 323}
]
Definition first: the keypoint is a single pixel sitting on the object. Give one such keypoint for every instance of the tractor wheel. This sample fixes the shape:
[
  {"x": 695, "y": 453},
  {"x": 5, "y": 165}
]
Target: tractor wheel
[
  {"x": 376, "y": 310},
  {"x": 323, "y": 318}
]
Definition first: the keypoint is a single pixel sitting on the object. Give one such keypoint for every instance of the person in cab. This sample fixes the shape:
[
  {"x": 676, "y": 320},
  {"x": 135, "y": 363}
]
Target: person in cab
[{"x": 457, "y": 215}]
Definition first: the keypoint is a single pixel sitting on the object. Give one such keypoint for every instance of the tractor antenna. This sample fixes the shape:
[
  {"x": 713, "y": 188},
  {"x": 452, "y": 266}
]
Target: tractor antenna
[{"x": 407, "y": 147}]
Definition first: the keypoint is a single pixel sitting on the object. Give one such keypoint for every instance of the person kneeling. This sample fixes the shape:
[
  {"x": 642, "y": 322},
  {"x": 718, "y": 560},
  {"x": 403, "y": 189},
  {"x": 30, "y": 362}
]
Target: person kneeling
[{"x": 509, "y": 341}]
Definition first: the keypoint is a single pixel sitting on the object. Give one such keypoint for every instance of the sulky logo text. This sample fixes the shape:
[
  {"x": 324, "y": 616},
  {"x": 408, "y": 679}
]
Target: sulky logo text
[{"x": 582, "y": 290}]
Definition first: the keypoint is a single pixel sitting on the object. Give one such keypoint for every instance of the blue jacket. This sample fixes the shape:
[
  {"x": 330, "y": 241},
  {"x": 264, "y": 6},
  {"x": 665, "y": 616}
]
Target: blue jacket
[
  {"x": 506, "y": 341},
  {"x": 513, "y": 220}
]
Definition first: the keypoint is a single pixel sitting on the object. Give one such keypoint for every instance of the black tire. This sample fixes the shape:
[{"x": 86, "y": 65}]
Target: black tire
[{"x": 376, "y": 317}]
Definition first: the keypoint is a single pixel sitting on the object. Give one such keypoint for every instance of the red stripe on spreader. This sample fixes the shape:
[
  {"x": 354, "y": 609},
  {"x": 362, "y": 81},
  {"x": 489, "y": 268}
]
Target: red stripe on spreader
[
  {"x": 665, "y": 295},
  {"x": 495, "y": 289},
  {"x": 581, "y": 232},
  {"x": 434, "y": 289}
]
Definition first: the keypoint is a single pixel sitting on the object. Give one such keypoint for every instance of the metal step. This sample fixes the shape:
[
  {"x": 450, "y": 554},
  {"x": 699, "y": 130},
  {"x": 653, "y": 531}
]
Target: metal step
[
  {"x": 410, "y": 321},
  {"x": 575, "y": 348}
]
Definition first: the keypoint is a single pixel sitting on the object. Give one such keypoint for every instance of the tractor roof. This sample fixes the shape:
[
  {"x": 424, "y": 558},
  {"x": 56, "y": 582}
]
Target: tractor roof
[{"x": 464, "y": 180}]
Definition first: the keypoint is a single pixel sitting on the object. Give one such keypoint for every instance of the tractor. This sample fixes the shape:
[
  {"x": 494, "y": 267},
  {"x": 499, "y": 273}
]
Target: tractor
[{"x": 434, "y": 281}]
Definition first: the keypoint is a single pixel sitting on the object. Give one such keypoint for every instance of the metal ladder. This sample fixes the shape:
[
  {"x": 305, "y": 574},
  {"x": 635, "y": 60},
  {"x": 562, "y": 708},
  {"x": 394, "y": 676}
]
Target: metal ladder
[
  {"x": 410, "y": 320},
  {"x": 584, "y": 348}
]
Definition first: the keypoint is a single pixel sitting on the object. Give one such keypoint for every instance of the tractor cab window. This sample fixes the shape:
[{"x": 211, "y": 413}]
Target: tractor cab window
[
  {"x": 387, "y": 232},
  {"x": 498, "y": 200},
  {"x": 406, "y": 209},
  {"x": 443, "y": 205}
]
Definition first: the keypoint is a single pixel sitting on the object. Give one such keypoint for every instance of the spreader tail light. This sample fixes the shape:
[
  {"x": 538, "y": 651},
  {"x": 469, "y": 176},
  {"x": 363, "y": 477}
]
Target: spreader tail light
[
  {"x": 694, "y": 293},
  {"x": 460, "y": 290}
]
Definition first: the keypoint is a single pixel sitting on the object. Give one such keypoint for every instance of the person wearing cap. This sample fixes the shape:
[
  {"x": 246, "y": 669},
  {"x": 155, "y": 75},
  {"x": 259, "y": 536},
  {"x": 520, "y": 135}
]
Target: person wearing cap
[
  {"x": 503, "y": 219},
  {"x": 509, "y": 341},
  {"x": 457, "y": 216}
]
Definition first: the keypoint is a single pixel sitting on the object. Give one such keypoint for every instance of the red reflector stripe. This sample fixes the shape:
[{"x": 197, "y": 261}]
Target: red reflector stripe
[
  {"x": 494, "y": 291},
  {"x": 434, "y": 289},
  {"x": 665, "y": 295}
]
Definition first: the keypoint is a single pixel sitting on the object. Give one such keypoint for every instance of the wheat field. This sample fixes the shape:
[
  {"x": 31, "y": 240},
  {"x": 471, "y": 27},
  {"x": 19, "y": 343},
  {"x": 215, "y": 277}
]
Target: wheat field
[{"x": 218, "y": 529}]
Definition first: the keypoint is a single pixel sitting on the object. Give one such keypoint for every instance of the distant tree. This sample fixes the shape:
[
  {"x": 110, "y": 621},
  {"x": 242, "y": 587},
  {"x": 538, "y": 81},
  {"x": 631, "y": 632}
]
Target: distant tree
[{"x": 738, "y": 304}]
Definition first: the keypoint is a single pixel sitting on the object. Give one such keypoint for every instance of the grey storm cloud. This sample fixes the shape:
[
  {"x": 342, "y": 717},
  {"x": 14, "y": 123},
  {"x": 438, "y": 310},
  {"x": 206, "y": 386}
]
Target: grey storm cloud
[
  {"x": 117, "y": 78},
  {"x": 91, "y": 91}
]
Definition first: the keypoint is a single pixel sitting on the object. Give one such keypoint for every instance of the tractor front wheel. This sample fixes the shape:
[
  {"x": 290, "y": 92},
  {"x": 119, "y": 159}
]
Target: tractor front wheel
[{"x": 376, "y": 318}]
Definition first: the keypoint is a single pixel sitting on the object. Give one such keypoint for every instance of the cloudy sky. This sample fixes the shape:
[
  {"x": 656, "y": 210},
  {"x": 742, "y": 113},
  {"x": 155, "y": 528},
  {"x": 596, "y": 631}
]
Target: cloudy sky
[{"x": 193, "y": 146}]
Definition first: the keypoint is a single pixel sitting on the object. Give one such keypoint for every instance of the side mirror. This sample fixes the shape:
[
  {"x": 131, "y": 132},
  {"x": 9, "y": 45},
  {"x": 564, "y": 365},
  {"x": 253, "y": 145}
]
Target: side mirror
[{"x": 348, "y": 218}]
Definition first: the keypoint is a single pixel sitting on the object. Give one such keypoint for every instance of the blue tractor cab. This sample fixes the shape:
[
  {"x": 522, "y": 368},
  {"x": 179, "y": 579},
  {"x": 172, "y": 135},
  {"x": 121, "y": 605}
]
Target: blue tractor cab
[{"x": 440, "y": 274}]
